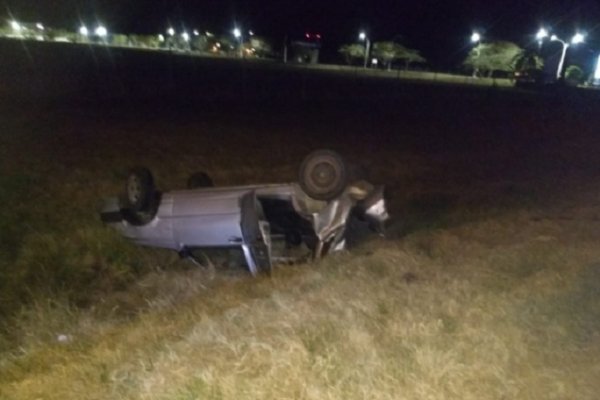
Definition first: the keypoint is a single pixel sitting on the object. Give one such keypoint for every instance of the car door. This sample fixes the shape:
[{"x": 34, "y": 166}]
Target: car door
[{"x": 256, "y": 235}]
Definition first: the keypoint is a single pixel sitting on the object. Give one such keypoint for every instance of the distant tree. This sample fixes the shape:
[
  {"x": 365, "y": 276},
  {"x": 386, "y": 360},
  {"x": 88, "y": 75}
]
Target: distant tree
[
  {"x": 216, "y": 44},
  {"x": 53, "y": 34},
  {"x": 411, "y": 56},
  {"x": 388, "y": 52},
  {"x": 259, "y": 46},
  {"x": 574, "y": 75},
  {"x": 352, "y": 52},
  {"x": 493, "y": 56},
  {"x": 148, "y": 41},
  {"x": 528, "y": 60},
  {"x": 225, "y": 44},
  {"x": 199, "y": 43},
  {"x": 120, "y": 40}
]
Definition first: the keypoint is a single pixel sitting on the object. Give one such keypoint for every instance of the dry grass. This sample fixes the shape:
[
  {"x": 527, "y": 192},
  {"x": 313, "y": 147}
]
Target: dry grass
[
  {"x": 515, "y": 320},
  {"x": 486, "y": 288}
]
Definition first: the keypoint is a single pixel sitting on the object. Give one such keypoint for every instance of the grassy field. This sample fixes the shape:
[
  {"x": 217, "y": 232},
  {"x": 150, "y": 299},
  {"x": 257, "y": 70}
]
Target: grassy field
[
  {"x": 55, "y": 71},
  {"x": 486, "y": 287}
]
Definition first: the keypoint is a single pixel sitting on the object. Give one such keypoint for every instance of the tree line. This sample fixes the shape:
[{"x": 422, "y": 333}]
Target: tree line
[
  {"x": 488, "y": 59},
  {"x": 386, "y": 52}
]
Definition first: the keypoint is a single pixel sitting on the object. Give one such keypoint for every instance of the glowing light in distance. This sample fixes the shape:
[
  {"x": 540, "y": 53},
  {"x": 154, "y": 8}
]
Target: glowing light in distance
[
  {"x": 15, "y": 26},
  {"x": 101, "y": 31},
  {"x": 161, "y": 38},
  {"x": 578, "y": 38},
  {"x": 542, "y": 33},
  {"x": 39, "y": 26},
  {"x": 185, "y": 36},
  {"x": 171, "y": 31},
  {"x": 362, "y": 36},
  {"x": 83, "y": 30},
  {"x": 237, "y": 33},
  {"x": 196, "y": 33},
  {"x": 475, "y": 37}
]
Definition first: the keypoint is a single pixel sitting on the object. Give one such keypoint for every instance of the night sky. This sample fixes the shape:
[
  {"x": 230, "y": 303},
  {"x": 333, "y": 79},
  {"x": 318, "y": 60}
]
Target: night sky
[{"x": 440, "y": 29}]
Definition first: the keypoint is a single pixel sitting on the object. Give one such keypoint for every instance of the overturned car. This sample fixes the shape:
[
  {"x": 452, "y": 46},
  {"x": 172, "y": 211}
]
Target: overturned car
[{"x": 313, "y": 212}]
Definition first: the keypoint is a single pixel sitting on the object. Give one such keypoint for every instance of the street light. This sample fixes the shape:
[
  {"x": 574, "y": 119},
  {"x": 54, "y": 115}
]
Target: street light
[
  {"x": 83, "y": 30},
  {"x": 15, "y": 26},
  {"x": 576, "y": 39},
  {"x": 185, "y": 36},
  {"x": 541, "y": 34},
  {"x": 476, "y": 40},
  {"x": 171, "y": 31},
  {"x": 237, "y": 33},
  {"x": 101, "y": 31},
  {"x": 39, "y": 26},
  {"x": 196, "y": 33},
  {"x": 362, "y": 36}
]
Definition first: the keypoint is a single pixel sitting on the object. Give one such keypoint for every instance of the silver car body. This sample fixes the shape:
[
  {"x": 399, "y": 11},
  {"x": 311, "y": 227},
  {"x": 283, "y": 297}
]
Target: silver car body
[{"x": 248, "y": 217}]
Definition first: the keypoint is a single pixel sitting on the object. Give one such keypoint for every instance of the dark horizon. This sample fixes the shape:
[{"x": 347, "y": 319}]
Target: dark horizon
[{"x": 440, "y": 31}]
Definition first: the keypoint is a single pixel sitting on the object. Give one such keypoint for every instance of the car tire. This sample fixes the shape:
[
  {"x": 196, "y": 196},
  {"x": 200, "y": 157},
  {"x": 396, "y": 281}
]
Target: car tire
[
  {"x": 139, "y": 190},
  {"x": 323, "y": 175},
  {"x": 199, "y": 180}
]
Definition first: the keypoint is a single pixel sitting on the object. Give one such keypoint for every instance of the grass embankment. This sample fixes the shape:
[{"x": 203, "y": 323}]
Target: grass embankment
[
  {"x": 444, "y": 314},
  {"x": 487, "y": 286}
]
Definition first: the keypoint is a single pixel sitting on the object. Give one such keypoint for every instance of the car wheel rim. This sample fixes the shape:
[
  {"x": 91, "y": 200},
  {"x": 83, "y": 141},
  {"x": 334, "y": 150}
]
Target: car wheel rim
[{"x": 323, "y": 175}]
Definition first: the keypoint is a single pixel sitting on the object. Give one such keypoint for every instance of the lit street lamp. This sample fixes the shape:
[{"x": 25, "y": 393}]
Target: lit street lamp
[
  {"x": 39, "y": 26},
  {"x": 476, "y": 40},
  {"x": 15, "y": 26},
  {"x": 362, "y": 36},
  {"x": 101, "y": 31},
  {"x": 186, "y": 41},
  {"x": 576, "y": 39},
  {"x": 171, "y": 31},
  {"x": 237, "y": 33},
  {"x": 540, "y": 36},
  {"x": 83, "y": 30}
]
